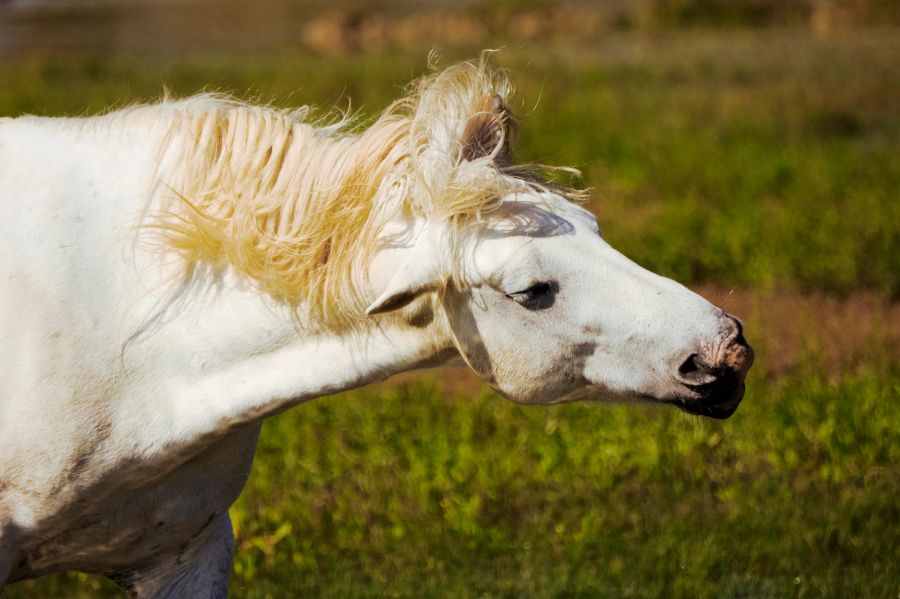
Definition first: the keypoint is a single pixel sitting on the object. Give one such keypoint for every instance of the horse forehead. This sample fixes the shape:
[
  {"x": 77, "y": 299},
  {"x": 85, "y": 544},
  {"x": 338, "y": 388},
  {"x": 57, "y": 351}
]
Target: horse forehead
[
  {"x": 539, "y": 216},
  {"x": 548, "y": 214},
  {"x": 546, "y": 232}
]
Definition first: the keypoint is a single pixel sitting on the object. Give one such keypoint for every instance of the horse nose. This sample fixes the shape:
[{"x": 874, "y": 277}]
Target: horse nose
[
  {"x": 715, "y": 373},
  {"x": 736, "y": 354},
  {"x": 732, "y": 356}
]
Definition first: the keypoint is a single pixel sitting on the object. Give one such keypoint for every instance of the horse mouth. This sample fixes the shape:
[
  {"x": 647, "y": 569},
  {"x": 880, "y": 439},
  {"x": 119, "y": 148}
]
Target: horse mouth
[{"x": 715, "y": 401}]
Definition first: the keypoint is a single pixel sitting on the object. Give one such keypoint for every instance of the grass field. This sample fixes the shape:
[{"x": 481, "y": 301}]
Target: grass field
[{"x": 767, "y": 162}]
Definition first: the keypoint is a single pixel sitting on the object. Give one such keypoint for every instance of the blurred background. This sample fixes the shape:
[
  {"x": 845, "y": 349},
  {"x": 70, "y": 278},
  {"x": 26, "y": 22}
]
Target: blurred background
[{"x": 747, "y": 148}]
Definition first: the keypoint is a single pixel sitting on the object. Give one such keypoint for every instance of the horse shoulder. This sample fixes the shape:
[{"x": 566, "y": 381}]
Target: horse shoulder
[{"x": 65, "y": 200}]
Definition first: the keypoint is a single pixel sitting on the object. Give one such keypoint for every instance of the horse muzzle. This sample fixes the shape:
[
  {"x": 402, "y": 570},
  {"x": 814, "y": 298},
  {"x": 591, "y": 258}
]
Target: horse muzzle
[{"x": 714, "y": 379}]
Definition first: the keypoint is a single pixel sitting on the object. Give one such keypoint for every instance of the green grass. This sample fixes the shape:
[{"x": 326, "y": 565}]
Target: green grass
[
  {"x": 408, "y": 493},
  {"x": 768, "y": 160}
]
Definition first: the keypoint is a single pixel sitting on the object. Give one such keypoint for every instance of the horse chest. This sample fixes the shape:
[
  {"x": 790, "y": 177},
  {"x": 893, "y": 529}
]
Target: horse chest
[{"x": 159, "y": 519}]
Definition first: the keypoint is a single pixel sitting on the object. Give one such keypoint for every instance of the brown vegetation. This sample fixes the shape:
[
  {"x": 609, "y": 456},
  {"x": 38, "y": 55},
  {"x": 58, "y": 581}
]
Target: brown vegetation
[
  {"x": 788, "y": 328},
  {"x": 341, "y": 27}
]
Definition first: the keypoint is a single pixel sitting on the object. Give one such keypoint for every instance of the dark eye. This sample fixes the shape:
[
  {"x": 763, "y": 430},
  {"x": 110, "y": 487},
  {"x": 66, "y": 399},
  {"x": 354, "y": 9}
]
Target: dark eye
[{"x": 537, "y": 297}]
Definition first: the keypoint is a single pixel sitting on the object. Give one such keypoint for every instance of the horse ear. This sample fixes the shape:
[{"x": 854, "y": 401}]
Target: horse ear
[
  {"x": 488, "y": 129},
  {"x": 416, "y": 276}
]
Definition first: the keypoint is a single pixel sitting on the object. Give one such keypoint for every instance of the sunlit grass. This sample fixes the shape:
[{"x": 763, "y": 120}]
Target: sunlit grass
[{"x": 479, "y": 496}]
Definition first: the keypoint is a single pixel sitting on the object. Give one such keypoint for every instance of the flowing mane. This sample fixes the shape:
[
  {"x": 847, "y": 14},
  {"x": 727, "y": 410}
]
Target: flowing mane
[{"x": 298, "y": 208}]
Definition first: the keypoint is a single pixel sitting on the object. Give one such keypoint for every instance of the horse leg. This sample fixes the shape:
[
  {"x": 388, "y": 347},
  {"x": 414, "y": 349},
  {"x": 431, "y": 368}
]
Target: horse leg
[
  {"x": 199, "y": 571},
  {"x": 7, "y": 559},
  {"x": 9, "y": 553}
]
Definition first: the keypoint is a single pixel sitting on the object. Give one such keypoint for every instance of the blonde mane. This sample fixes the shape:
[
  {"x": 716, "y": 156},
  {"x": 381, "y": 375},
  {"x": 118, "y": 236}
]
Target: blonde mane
[{"x": 298, "y": 209}]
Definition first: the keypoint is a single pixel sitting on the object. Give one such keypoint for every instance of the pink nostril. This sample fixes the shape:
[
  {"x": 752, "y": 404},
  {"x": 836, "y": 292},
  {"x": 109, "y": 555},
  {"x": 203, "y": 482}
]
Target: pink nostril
[
  {"x": 739, "y": 331},
  {"x": 738, "y": 356}
]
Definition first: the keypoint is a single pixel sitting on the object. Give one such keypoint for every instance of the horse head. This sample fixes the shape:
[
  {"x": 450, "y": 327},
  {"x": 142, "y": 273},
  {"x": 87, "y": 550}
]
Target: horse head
[{"x": 532, "y": 297}]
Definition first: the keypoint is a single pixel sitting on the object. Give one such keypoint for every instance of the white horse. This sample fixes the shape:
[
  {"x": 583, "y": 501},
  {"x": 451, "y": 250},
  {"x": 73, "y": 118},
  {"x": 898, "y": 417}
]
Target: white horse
[{"x": 172, "y": 274}]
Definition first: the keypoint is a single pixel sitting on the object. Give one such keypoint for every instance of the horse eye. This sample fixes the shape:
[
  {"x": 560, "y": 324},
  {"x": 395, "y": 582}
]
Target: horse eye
[{"x": 536, "y": 297}]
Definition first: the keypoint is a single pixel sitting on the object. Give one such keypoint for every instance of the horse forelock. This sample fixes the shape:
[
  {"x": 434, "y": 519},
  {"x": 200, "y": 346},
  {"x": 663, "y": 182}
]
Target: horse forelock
[{"x": 298, "y": 208}]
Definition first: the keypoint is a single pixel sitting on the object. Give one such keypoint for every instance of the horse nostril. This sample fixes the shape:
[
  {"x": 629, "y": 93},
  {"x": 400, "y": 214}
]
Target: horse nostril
[
  {"x": 694, "y": 371},
  {"x": 739, "y": 336},
  {"x": 736, "y": 355},
  {"x": 689, "y": 366}
]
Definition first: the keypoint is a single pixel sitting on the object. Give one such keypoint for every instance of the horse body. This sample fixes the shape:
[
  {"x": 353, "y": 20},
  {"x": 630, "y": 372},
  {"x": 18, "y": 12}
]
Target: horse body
[
  {"x": 147, "y": 290},
  {"x": 74, "y": 422},
  {"x": 122, "y": 445}
]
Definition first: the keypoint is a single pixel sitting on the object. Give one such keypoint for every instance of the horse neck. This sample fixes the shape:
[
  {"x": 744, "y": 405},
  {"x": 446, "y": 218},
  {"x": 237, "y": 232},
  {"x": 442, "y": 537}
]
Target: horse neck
[
  {"x": 233, "y": 353},
  {"x": 231, "y": 357}
]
